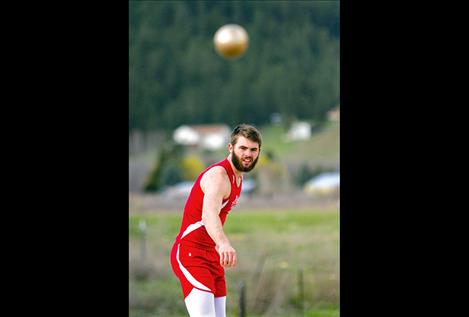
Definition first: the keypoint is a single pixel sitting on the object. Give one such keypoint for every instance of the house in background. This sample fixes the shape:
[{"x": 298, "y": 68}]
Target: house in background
[
  {"x": 334, "y": 114},
  {"x": 206, "y": 136},
  {"x": 299, "y": 130}
]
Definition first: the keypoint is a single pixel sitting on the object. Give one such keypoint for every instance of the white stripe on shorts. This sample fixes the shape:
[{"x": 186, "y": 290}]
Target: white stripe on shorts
[{"x": 189, "y": 276}]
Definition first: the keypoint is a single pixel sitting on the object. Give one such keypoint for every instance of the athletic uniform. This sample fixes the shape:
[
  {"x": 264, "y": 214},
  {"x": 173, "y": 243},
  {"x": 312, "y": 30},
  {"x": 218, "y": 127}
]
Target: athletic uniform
[{"x": 193, "y": 257}]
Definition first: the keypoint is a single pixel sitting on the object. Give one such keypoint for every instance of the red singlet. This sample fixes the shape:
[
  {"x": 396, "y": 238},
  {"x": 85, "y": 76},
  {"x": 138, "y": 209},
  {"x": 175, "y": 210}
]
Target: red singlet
[{"x": 193, "y": 257}]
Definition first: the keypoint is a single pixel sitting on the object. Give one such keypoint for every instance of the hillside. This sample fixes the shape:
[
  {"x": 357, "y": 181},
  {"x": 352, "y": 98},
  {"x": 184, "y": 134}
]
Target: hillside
[
  {"x": 176, "y": 77},
  {"x": 321, "y": 149}
]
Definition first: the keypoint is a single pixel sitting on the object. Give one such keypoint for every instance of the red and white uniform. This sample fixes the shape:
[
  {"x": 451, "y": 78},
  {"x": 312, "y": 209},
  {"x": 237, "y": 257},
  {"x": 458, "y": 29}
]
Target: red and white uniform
[{"x": 193, "y": 257}]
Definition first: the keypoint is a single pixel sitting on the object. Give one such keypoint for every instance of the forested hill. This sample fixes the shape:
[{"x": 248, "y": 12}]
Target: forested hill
[{"x": 175, "y": 76}]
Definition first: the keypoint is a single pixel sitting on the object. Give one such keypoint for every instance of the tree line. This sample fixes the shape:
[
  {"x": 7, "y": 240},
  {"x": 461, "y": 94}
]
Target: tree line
[{"x": 176, "y": 77}]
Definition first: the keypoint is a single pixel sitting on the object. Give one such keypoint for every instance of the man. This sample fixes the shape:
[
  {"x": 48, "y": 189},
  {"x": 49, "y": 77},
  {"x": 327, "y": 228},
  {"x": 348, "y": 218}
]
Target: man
[{"x": 201, "y": 250}]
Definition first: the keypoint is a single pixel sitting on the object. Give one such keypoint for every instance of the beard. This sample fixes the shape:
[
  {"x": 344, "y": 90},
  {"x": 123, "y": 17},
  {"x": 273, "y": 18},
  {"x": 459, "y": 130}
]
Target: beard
[{"x": 239, "y": 166}]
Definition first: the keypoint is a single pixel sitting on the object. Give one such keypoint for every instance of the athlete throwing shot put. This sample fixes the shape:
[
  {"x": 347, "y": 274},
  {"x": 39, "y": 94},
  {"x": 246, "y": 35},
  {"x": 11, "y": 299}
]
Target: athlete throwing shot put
[{"x": 202, "y": 251}]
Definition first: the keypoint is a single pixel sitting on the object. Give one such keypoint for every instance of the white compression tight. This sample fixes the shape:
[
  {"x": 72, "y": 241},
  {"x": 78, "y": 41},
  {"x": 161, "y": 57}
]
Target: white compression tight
[{"x": 204, "y": 304}]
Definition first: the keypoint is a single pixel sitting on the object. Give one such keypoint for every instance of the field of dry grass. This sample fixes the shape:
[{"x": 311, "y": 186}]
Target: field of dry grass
[{"x": 279, "y": 250}]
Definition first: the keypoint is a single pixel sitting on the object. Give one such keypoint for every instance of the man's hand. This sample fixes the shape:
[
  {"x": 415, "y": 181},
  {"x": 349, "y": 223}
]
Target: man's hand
[{"x": 227, "y": 255}]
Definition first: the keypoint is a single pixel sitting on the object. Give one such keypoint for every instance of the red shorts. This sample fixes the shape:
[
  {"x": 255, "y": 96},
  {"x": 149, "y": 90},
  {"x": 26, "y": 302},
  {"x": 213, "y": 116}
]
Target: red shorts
[{"x": 198, "y": 268}]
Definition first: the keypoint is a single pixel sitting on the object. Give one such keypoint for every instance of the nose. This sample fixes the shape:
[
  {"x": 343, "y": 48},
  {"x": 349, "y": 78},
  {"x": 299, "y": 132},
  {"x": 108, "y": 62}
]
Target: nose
[{"x": 248, "y": 153}]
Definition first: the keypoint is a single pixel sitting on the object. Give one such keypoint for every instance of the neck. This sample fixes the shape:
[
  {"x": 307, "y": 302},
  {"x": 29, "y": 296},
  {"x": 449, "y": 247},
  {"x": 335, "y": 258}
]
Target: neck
[{"x": 235, "y": 170}]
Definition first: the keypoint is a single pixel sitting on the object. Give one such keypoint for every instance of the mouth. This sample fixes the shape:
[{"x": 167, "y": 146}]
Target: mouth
[{"x": 247, "y": 161}]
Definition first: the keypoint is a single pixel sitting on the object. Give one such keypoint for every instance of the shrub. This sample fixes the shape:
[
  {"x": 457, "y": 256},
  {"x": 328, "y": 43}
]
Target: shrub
[{"x": 191, "y": 166}]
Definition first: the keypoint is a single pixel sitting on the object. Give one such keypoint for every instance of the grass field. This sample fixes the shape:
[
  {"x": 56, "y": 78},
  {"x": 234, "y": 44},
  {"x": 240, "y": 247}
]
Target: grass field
[
  {"x": 277, "y": 250},
  {"x": 323, "y": 144}
]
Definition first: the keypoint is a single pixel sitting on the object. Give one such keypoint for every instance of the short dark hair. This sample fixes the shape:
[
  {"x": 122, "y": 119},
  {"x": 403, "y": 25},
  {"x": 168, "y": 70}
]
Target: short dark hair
[{"x": 248, "y": 131}]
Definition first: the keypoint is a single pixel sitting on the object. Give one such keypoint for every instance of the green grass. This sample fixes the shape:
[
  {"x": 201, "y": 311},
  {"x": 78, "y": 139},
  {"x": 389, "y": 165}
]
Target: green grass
[
  {"x": 242, "y": 222},
  {"x": 278, "y": 222},
  {"x": 166, "y": 224},
  {"x": 271, "y": 245},
  {"x": 273, "y": 140},
  {"x": 322, "y": 146},
  {"x": 332, "y": 312}
]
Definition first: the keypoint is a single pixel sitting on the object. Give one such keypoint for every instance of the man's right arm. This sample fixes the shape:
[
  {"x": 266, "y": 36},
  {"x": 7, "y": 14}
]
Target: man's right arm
[{"x": 215, "y": 185}]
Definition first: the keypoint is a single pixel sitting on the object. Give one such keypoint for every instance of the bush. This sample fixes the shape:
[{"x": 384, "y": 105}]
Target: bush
[
  {"x": 191, "y": 166},
  {"x": 165, "y": 169}
]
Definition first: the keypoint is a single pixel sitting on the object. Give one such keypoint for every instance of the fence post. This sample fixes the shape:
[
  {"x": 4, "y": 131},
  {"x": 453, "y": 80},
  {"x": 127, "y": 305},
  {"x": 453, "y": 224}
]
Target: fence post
[
  {"x": 242, "y": 300},
  {"x": 301, "y": 291},
  {"x": 142, "y": 226}
]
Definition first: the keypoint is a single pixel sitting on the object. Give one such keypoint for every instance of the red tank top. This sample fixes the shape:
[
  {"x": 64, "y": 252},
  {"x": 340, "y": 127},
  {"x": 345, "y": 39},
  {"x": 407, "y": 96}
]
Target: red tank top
[{"x": 193, "y": 231}]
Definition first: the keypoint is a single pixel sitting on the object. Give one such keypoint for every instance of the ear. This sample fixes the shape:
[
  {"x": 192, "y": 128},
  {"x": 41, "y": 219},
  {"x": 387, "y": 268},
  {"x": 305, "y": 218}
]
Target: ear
[{"x": 230, "y": 147}]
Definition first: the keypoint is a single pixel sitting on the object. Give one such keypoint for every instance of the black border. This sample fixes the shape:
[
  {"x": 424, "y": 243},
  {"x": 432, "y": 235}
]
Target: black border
[{"x": 73, "y": 188}]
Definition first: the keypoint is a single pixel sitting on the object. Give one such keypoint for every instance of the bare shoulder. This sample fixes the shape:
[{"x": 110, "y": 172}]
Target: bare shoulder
[
  {"x": 215, "y": 178},
  {"x": 215, "y": 174}
]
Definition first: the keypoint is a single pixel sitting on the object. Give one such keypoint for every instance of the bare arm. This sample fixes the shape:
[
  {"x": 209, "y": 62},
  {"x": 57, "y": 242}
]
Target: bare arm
[{"x": 216, "y": 185}]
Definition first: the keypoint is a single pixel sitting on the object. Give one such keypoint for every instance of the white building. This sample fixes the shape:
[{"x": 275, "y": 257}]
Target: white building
[
  {"x": 207, "y": 136},
  {"x": 299, "y": 130}
]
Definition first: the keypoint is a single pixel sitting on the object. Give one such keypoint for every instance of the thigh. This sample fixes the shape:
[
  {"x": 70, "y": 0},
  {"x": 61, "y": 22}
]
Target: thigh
[
  {"x": 191, "y": 267},
  {"x": 220, "y": 286},
  {"x": 200, "y": 303},
  {"x": 218, "y": 273},
  {"x": 220, "y": 306}
]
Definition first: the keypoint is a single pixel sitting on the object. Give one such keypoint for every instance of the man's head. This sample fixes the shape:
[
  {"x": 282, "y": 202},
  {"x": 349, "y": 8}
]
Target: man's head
[{"x": 245, "y": 147}]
